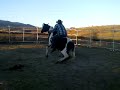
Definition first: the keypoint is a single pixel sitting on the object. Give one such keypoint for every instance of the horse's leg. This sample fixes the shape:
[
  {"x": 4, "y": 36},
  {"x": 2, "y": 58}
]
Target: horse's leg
[
  {"x": 71, "y": 49},
  {"x": 73, "y": 52},
  {"x": 60, "y": 54},
  {"x": 64, "y": 52},
  {"x": 47, "y": 51}
]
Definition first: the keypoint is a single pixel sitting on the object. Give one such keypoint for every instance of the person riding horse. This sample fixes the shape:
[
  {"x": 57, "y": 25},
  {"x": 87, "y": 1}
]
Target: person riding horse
[
  {"x": 60, "y": 31},
  {"x": 57, "y": 39}
]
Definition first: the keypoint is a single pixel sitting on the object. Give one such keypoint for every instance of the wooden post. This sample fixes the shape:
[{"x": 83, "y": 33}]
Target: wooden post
[
  {"x": 9, "y": 33},
  {"x": 77, "y": 38},
  {"x": 113, "y": 40},
  {"x": 37, "y": 34},
  {"x": 100, "y": 38},
  {"x": 23, "y": 35},
  {"x": 90, "y": 38}
]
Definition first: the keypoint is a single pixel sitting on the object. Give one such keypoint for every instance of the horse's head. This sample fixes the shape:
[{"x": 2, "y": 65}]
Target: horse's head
[{"x": 45, "y": 28}]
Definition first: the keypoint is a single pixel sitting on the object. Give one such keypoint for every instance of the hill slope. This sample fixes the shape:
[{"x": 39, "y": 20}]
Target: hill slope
[{"x": 4, "y": 23}]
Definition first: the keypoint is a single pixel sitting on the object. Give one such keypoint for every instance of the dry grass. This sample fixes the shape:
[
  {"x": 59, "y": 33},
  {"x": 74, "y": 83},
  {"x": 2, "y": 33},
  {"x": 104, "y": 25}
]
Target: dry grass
[
  {"x": 97, "y": 34},
  {"x": 11, "y": 47}
]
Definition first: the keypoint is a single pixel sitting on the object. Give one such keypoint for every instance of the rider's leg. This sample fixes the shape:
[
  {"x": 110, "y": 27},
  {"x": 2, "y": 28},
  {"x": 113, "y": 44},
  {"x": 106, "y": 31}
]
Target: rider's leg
[{"x": 54, "y": 41}]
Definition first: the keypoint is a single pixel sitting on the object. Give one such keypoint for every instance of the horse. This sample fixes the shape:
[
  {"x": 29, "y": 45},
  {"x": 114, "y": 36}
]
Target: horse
[{"x": 64, "y": 45}]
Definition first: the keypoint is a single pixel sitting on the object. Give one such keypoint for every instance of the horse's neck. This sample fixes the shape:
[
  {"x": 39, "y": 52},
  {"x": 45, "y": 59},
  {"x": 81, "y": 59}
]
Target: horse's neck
[
  {"x": 51, "y": 28},
  {"x": 50, "y": 34}
]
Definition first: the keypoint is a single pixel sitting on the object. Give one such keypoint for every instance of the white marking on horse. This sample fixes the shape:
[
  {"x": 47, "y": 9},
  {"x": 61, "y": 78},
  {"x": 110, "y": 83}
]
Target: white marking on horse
[
  {"x": 50, "y": 37},
  {"x": 64, "y": 51}
]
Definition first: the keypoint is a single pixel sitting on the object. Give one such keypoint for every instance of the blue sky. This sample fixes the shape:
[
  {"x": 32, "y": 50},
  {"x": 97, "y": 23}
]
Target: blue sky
[{"x": 73, "y": 13}]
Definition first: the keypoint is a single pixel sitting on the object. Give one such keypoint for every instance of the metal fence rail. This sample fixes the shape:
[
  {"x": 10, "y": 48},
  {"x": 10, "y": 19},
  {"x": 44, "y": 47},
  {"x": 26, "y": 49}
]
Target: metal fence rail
[
  {"x": 11, "y": 35},
  {"x": 90, "y": 39}
]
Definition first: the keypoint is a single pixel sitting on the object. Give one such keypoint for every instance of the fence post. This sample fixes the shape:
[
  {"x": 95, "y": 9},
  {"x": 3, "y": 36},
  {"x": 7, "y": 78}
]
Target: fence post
[
  {"x": 23, "y": 35},
  {"x": 77, "y": 38},
  {"x": 37, "y": 34},
  {"x": 90, "y": 38},
  {"x": 113, "y": 40},
  {"x": 100, "y": 38},
  {"x": 9, "y": 33}
]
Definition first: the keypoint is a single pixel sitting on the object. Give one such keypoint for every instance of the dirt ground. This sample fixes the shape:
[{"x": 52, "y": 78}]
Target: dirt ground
[{"x": 91, "y": 69}]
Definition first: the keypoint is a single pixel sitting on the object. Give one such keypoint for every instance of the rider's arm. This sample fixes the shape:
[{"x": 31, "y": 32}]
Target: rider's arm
[{"x": 55, "y": 28}]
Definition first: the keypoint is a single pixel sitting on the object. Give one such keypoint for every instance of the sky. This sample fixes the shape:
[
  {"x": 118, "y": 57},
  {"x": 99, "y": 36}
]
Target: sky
[{"x": 73, "y": 13}]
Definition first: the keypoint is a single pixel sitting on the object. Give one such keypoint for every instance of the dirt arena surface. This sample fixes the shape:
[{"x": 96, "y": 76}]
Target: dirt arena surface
[{"x": 91, "y": 69}]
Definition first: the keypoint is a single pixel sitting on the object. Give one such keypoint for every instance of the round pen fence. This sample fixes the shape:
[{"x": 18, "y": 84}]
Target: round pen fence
[
  {"x": 24, "y": 35},
  {"x": 109, "y": 39}
]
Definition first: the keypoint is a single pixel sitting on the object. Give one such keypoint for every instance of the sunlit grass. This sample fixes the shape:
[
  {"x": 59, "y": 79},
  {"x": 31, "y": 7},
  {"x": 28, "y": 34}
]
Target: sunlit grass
[
  {"x": 10, "y": 47},
  {"x": 96, "y": 34}
]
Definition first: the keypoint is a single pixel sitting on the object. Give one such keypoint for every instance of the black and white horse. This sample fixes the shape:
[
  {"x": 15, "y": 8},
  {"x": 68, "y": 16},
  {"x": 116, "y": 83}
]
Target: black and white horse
[{"x": 65, "y": 45}]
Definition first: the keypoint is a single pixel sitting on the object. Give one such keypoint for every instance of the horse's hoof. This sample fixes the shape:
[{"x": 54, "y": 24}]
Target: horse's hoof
[
  {"x": 46, "y": 56},
  {"x": 58, "y": 62}
]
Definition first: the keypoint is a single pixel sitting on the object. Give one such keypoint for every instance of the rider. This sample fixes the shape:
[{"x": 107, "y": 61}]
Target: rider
[{"x": 60, "y": 31}]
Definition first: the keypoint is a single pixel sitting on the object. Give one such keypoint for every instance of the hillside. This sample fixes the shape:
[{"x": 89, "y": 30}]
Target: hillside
[{"x": 4, "y": 23}]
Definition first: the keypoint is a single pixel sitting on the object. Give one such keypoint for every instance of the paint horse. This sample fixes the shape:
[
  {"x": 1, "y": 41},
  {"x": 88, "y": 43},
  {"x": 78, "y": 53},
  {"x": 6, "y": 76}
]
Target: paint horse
[{"x": 65, "y": 45}]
